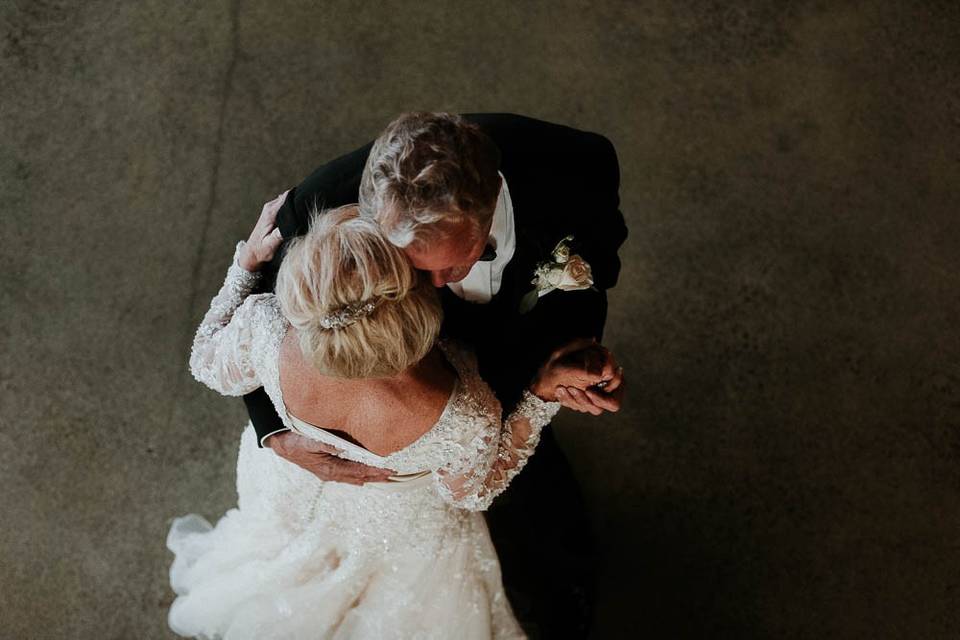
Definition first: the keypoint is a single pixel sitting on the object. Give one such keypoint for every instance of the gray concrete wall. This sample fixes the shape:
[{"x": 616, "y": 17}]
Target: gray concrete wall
[{"x": 788, "y": 464}]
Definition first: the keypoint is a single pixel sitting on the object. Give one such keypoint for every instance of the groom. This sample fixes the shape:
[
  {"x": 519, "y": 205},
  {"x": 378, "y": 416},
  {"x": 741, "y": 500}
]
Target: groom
[{"x": 478, "y": 202}]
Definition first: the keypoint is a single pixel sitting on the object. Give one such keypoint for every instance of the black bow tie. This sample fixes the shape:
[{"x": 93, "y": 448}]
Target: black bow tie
[{"x": 489, "y": 254}]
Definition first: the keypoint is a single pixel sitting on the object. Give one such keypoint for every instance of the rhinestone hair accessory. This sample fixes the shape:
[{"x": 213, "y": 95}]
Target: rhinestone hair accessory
[{"x": 348, "y": 314}]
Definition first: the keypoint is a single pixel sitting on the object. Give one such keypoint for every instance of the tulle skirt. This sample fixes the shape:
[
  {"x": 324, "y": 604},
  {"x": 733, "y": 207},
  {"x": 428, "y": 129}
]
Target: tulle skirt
[{"x": 300, "y": 559}]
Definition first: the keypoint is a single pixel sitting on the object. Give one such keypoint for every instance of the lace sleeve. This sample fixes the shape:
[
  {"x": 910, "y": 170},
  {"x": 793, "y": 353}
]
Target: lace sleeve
[
  {"x": 506, "y": 449},
  {"x": 220, "y": 357}
]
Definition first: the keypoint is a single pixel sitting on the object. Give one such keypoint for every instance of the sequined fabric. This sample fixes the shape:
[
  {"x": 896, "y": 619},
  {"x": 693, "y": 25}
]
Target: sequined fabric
[{"x": 301, "y": 558}]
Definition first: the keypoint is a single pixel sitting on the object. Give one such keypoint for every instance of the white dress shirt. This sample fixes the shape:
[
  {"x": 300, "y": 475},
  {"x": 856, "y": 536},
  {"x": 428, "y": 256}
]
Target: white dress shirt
[{"x": 483, "y": 280}]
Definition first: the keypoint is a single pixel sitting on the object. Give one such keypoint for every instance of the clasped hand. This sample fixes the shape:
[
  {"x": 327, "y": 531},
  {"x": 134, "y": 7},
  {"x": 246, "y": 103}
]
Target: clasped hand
[{"x": 582, "y": 375}]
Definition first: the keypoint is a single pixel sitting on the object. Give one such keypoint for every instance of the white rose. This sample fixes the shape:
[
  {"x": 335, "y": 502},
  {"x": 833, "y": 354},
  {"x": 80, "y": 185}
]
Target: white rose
[
  {"x": 561, "y": 254},
  {"x": 550, "y": 278},
  {"x": 576, "y": 275}
]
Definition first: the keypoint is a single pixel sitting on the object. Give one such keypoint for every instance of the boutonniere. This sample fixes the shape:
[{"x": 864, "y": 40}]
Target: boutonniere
[{"x": 562, "y": 271}]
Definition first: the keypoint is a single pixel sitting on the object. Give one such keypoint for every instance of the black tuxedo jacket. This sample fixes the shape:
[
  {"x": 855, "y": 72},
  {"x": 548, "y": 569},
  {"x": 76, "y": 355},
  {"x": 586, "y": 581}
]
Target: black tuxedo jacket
[{"x": 562, "y": 182}]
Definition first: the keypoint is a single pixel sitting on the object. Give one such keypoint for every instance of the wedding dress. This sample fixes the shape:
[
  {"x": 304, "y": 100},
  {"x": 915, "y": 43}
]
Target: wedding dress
[{"x": 300, "y": 558}]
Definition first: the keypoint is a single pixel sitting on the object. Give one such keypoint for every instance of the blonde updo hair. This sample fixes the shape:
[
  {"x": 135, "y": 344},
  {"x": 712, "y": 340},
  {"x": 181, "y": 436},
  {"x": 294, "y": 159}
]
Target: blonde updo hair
[{"x": 344, "y": 261}]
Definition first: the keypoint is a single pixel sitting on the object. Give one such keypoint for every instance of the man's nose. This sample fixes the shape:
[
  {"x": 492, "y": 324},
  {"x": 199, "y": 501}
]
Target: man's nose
[{"x": 438, "y": 278}]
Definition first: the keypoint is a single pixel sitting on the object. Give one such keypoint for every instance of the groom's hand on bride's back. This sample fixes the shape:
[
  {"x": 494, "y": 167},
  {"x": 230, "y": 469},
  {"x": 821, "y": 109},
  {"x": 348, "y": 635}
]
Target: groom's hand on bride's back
[
  {"x": 321, "y": 460},
  {"x": 583, "y": 376}
]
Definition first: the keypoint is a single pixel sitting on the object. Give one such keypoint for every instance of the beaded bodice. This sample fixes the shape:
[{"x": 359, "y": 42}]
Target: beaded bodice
[{"x": 470, "y": 451}]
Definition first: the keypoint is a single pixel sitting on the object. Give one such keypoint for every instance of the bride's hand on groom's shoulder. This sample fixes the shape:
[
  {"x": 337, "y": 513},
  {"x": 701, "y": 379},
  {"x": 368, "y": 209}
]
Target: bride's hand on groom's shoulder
[
  {"x": 265, "y": 238},
  {"x": 583, "y": 376},
  {"x": 321, "y": 460}
]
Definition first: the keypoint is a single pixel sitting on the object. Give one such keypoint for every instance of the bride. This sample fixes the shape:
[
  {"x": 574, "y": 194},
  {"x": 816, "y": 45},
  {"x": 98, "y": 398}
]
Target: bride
[{"x": 348, "y": 352}]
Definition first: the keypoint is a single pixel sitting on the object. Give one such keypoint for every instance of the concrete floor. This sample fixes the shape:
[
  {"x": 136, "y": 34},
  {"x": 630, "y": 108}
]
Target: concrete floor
[{"x": 788, "y": 465}]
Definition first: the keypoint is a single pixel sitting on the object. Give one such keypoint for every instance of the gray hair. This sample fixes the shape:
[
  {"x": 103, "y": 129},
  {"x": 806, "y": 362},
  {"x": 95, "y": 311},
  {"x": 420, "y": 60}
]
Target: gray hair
[{"x": 426, "y": 172}]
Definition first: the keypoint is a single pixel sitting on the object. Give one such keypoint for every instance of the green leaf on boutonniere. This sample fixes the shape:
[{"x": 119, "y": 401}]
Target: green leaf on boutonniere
[{"x": 529, "y": 301}]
